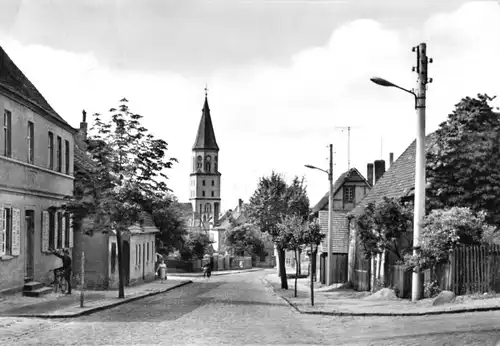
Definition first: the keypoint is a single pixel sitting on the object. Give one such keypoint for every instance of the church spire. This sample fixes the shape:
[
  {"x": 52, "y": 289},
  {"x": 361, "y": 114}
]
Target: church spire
[{"x": 205, "y": 138}]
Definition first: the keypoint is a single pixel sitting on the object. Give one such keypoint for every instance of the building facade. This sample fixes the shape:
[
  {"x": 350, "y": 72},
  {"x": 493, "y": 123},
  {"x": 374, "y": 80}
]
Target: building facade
[
  {"x": 205, "y": 179},
  {"x": 36, "y": 174}
]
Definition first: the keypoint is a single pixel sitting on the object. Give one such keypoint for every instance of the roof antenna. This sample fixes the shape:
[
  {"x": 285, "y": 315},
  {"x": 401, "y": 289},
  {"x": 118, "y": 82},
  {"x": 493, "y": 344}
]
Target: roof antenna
[{"x": 206, "y": 90}]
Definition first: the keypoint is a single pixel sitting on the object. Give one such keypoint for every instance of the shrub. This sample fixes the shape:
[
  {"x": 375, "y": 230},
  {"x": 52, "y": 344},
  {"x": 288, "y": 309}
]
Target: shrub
[{"x": 431, "y": 289}]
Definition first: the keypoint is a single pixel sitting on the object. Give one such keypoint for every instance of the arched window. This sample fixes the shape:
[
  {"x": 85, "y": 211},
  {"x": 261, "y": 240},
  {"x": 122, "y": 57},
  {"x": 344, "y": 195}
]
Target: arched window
[{"x": 207, "y": 167}]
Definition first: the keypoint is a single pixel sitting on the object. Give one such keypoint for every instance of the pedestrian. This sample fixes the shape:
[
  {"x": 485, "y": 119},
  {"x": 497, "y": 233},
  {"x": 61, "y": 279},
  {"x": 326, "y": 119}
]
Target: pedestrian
[
  {"x": 162, "y": 270},
  {"x": 207, "y": 270},
  {"x": 66, "y": 267}
]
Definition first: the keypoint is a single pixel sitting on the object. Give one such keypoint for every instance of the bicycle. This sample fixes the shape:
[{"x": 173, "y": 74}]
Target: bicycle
[{"x": 59, "y": 280}]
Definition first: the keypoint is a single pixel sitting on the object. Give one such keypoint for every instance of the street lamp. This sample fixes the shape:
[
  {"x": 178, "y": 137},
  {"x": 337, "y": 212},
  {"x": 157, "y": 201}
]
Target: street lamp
[
  {"x": 419, "y": 207},
  {"x": 329, "y": 238}
]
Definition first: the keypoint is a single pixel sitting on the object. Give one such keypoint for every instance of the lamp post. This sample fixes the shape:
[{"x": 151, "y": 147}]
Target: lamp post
[
  {"x": 329, "y": 237},
  {"x": 419, "y": 205}
]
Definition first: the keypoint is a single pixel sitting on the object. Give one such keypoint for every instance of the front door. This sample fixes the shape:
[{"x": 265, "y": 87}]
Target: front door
[{"x": 29, "y": 225}]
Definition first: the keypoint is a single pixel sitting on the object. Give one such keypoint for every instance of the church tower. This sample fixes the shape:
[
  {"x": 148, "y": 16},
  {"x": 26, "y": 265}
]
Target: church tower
[{"x": 205, "y": 176}]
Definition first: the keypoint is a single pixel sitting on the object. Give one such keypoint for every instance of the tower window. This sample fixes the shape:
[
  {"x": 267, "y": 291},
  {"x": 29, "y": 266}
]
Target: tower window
[
  {"x": 212, "y": 193},
  {"x": 203, "y": 182},
  {"x": 207, "y": 166},
  {"x": 213, "y": 183},
  {"x": 203, "y": 193}
]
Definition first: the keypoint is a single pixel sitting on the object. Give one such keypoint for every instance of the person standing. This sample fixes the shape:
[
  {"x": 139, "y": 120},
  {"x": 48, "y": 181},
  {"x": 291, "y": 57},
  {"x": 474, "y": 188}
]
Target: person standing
[{"x": 66, "y": 267}]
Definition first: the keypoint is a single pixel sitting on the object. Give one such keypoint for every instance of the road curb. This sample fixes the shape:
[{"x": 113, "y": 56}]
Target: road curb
[
  {"x": 102, "y": 307},
  {"x": 381, "y": 314},
  {"x": 215, "y": 273}
]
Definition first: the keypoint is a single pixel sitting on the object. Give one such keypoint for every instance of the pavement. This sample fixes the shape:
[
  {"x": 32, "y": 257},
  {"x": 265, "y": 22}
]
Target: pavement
[
  {"x": 66, "y": 306},
  {"x": 337, "y": 301},
  {"x": 241, "y": 310},
  {"x": 217, "y": 273}
]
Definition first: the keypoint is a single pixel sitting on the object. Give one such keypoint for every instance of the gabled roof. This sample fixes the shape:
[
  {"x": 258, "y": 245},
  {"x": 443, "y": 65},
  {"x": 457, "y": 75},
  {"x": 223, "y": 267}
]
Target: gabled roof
[
  {"x": 399, "y": 179},
  {"x": 82, "y": 159},
  {"x": 337, "y": 185},
  {"x": 205, "y": 138},
  {"x": 13, "y": 80}
]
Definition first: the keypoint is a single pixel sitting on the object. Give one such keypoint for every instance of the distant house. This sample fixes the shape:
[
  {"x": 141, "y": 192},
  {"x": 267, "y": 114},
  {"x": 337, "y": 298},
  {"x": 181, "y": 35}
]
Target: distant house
[
  {"x": 101, "y": 253},
  {"x": 397, "y": 182},
  {"x": 36, "y": 174}
]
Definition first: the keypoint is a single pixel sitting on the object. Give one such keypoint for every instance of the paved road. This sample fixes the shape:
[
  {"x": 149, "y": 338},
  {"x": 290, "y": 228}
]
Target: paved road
[{"x": 236, "y": 310}]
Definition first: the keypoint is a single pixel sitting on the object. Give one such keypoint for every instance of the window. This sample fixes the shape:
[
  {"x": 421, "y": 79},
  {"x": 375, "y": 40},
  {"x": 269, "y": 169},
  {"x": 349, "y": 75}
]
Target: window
[
  {"x": 147, "y": 256},
  {"x": 207, "y": 167},
  {"x": 113, "y": 258},
  {"x": 67, "y": 226},
  {"x": 51, "y": 150},
  {"x": 7, "y": 228},
  {"x": 215, "y": 167},
  {"x": 7, "y": 133},
  {"x": 208, "y": 208},
  {"x": 203, "y": 183},
  {"x": 31, "y": 142},
  {"x": 203, "y": 193},
  {"x": 212, "y": 193},
  {"x": 213, "y": 182},
  {"x": 52, "y": 231},
  {"x": 59, "y": 154},
  {"x": 349, "y": 194},
  {"x": 59, "y": 230},
  {"x": 139, "y": 247},
  {"x": 66, "y": 154}
]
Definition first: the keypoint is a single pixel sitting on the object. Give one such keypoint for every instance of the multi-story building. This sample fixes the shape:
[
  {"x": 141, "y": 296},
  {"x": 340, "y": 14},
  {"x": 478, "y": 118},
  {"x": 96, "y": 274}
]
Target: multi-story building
[{"x": 36, "y": 174}]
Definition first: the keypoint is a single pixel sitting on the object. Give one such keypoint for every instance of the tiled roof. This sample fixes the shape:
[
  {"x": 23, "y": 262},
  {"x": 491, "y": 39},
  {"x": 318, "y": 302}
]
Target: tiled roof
[
  {"x": 14, "y": 80},
  {"x": 399, "y": 179},
  {"x": 82, "y": 160},
  {"x": 205, "y": 138},
  {"x": 336, "y": 186}
]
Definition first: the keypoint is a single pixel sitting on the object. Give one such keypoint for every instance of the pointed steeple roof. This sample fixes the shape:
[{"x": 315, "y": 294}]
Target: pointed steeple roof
[
  {"x": 205, "y": 138},
  {"x": 13, "y": 80}
]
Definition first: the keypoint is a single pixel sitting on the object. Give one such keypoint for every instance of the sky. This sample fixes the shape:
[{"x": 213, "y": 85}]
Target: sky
[{"x": 284, "y": 77}]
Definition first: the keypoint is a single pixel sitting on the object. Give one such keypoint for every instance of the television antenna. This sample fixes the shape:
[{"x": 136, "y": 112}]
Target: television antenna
[{"x": 348, "y": 128}]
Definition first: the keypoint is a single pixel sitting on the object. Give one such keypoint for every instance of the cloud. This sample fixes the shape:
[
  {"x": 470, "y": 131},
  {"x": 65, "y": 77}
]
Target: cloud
[{"x": 283, "y": 116}]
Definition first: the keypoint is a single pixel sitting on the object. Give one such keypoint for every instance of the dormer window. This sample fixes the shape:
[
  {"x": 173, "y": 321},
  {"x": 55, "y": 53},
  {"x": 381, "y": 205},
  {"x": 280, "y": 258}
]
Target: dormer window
[{"x": 348, "y": 194}]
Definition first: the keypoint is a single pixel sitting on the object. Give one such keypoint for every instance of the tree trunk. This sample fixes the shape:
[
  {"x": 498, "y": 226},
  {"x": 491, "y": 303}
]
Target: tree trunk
[
  {"x": 281, "y": 258},
  {"x": 312, "y": 275},
  {"x": 299, "y": 260},
  {"x": 121, "y": 279},
  {"x": 314, "y": 264},
  {"x": 297, "y": 271}
]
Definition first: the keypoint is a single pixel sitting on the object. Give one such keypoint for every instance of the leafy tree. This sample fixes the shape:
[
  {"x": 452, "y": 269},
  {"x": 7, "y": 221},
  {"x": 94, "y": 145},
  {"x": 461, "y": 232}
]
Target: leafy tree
[
  {"x": 291, "y": 237},
  {"x": 382, "y": 225},
  {"x": 272, "y": 200},
  {"x": 244, "y": 238},
  {"x": 463, "y": 168},
  {"x": 198, "y": 244},
  {"x": 129, "y": 166},
  {"x": 443, "y": 229}
]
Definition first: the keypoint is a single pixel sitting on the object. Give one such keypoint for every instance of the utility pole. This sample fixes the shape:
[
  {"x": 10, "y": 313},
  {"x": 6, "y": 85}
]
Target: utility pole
[
  {"x": 419, "y": 208},
  {"x": 329, "y": 247}
]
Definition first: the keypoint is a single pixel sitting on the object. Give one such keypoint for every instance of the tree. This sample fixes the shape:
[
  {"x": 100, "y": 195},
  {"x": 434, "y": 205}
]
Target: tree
[
  {"x": 463, "y": 169},
  {"x": 443, "y": 229},
  {"x": 313, "y": 237},
  {"x": 197, "y": 242},
  {"x": 244, "y": 238},
  {"x": 291, "y": 237},
  {"x": 272, "y": 200},
  {"x": 129, "y": 165}
]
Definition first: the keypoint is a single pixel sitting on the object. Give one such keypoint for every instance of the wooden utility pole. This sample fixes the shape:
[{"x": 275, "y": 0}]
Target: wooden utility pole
[
  {"x": 329, "y": 258},
  {"x": 420, "y": 94}
]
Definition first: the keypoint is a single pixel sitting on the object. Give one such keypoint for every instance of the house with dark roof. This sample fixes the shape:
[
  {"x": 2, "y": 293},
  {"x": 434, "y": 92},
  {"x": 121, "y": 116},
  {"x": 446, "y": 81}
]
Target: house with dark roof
[
  {"x": 348, "y": 190},
  {"x": 397, "y": 182},
  {"x": 36, "y": 174},
  {"x": 101, "y": 254}
]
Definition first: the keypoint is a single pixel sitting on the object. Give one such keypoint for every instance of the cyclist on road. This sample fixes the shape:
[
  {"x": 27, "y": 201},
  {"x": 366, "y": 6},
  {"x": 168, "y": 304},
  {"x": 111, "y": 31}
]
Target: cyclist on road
[{"x": 66, "y": 268}]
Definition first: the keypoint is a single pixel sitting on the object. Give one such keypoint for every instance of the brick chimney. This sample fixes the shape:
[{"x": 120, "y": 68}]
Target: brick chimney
[
  {"x": 391, "y": 159},
  {"x": 379, "y": 169},
  {"x": 240, "y": 204},
  {"x": 369, "y": 175},
  {"x": 81, "y": 136}
]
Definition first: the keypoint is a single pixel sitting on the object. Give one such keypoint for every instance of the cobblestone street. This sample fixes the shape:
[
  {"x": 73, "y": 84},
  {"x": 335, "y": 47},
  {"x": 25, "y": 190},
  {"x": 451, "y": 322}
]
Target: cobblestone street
[{"x": 238, "y": 309}]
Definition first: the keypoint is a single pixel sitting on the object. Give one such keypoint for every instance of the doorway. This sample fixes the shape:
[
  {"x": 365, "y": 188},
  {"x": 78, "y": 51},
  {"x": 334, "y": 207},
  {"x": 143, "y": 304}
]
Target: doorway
[
  {"x": 29, "y": 224},
  {"x": 126, "y": 262}
]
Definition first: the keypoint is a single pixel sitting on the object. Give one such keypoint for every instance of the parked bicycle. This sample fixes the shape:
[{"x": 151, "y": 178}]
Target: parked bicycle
[{"x": 59, "y": 280}]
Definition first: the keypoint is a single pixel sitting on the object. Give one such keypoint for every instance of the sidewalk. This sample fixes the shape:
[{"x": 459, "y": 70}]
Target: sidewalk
[
  {"x": 348, "y": 302},
  {"x": 216, "y": 273},
  {"x": 57, "y": 305}
]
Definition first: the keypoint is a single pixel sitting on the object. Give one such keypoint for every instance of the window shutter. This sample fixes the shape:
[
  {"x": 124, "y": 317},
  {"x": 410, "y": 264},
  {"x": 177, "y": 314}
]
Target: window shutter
[
  {"x": 63, "y": 231},
  {"x": 16, "y": 232},
  {"x": 70, "y": 234},
  {"x": 56, "y": 228},
  {"x": 45, "y": 231},
  {"x": 2, "y": 230}
]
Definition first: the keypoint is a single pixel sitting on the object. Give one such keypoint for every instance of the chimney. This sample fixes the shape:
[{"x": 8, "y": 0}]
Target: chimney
[
  {"x": 391, "y": 159},
  {"x": 81, "y": 136},
  {"x": 240, "y": 204},
  {"x": 369, "y": 177},
  {"x": 379, "y": 169}
]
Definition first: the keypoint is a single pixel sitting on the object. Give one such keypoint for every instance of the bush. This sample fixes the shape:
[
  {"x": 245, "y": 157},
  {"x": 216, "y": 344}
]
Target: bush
[{"x": 431, "y": 289}]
